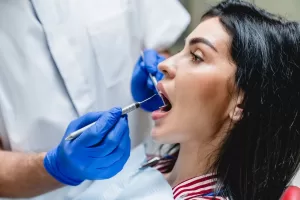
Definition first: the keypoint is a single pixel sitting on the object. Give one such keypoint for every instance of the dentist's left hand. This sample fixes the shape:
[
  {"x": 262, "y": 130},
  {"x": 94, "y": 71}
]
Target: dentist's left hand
[
  {"x": 98, "y": 153},
  {"x": 142, "y": 86}
]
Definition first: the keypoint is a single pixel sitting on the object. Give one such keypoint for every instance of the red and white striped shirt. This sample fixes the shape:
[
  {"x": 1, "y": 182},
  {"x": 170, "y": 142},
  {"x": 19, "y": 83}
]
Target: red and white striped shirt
[{"x": 197, "y": 188}]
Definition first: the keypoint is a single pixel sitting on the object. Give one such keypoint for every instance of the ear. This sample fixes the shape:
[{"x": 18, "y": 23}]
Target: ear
[{"x": 237, "y": 112}]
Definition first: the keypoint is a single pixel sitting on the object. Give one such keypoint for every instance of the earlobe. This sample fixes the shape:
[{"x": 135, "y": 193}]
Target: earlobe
[{"x": 236, "y": 114}]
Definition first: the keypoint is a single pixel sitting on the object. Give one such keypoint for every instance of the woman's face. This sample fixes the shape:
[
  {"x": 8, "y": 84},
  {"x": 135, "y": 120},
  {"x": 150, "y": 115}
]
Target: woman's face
[{"x": 199, "y": 84}]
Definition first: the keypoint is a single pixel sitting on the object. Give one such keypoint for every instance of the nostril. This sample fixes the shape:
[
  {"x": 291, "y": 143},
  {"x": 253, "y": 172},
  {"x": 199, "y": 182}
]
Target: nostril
[{"x": 168, "y": 74}]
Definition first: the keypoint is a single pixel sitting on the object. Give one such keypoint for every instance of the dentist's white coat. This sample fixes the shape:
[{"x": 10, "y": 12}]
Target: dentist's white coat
[{"x": 60, "y": 59}]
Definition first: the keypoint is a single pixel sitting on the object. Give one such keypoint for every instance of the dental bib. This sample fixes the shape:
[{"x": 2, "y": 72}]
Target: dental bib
[{"x": 132, "y": 183}]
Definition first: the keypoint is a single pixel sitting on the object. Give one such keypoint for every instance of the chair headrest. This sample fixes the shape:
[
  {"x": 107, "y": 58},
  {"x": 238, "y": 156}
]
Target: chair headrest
[{"x": 291, "y": 193}]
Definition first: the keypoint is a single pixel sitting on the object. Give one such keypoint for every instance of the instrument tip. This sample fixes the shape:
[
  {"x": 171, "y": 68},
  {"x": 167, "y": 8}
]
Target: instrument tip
[{"x": 69, "y": 138}]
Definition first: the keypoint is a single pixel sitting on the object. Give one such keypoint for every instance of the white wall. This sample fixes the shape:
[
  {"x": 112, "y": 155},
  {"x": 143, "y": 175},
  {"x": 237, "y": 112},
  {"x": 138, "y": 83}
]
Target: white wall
[{"x": 286, "y": 8}]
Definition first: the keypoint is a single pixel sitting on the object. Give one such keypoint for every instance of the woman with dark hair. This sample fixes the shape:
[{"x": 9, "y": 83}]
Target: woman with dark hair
[
  {"x": 233, "y": 97},
  {"x": 232, "y": 100}
]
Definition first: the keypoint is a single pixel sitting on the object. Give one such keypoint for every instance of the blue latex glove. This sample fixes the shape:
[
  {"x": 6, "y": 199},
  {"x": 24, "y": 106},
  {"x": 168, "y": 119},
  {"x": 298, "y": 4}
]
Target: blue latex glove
[
  {"x": 142, "y": 86},
  {"x": 98, "y": 153}
]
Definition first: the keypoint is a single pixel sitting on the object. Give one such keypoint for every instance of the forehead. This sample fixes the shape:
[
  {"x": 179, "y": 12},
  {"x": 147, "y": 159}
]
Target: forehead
[{"x": 212, "y": 30}]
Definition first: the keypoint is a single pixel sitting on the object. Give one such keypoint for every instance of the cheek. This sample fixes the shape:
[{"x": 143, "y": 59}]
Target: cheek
[
  {"x": 202, "y": 86},
  {"x": 203, "y": 97},
  {"x": 200, "y": 100}
]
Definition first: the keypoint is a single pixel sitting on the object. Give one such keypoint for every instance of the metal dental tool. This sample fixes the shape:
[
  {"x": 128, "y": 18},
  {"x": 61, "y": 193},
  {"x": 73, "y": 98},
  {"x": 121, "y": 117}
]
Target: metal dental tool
[
  {"x": 125, "y": 110},
  {"x": 154, "y": 81}
]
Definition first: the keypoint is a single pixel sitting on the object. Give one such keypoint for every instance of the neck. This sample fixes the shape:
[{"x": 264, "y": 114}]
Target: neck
[{"x": 194, "y": 159}]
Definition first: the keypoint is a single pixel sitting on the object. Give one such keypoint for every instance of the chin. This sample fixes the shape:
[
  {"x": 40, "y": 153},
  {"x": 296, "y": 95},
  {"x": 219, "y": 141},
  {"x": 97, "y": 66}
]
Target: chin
[
  {"x": 161, "y": 135},
  {"x": 156, "y": 134}
]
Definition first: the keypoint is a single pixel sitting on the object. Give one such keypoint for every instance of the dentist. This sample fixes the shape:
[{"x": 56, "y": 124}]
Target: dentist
[{"x": 59, "y": 60}]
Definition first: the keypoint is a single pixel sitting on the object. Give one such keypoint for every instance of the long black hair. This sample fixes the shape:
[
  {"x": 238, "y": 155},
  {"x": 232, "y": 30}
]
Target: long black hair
[{"x": 261, "y": 153}]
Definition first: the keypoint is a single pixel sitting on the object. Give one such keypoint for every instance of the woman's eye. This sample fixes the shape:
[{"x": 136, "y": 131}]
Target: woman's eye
[{"x": 195, "y": 58}]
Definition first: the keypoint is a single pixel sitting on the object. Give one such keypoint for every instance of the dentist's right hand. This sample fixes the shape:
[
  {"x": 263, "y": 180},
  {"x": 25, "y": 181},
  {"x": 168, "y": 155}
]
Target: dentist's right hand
[{"x": 98, "y": 153}]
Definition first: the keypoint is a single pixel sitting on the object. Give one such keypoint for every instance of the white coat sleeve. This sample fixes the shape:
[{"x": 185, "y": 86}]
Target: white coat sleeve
[{"x": 162, "y": 22}]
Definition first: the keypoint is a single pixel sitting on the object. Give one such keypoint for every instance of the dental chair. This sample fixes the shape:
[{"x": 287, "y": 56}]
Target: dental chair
[{"x": 291, "y": 193}]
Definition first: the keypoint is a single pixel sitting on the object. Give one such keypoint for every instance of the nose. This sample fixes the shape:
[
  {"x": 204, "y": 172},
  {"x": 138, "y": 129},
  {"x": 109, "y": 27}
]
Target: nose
[{"x": 167, "y": 67}]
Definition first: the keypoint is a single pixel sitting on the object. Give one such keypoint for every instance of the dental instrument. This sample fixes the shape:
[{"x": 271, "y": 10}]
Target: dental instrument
[
  {"x": 125, "y": 111},
  {"x": 154, "y": 81}
]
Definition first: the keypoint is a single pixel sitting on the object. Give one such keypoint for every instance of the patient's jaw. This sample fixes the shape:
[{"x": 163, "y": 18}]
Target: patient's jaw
[{"x": 199, "y": 83}]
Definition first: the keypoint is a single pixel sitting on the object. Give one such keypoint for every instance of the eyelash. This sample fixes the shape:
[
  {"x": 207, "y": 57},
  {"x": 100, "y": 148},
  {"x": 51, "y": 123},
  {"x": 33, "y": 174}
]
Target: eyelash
[{"x": 195, "y": 59}]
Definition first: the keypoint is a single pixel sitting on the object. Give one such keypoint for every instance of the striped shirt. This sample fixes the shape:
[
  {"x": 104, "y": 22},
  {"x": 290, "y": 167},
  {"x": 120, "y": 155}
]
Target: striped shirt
[
  {"x": 200, "y": 187},
  {"x": 197, "y": 188}
]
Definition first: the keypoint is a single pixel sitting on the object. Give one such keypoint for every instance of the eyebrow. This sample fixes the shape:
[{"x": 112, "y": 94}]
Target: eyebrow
[{"x": 202, "y": 40}]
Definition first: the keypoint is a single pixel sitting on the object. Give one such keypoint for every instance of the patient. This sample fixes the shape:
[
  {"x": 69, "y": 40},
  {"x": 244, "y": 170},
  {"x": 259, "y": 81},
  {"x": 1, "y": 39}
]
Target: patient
[{"x": 233, "y": 97}]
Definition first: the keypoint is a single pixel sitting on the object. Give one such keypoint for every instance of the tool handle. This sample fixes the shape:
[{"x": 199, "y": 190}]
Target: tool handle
[
  {"x": 155, "y": 85},
  {"x": 75, "y": 134},
  {"x": 130, "y": 108},
  {"x": 153, "y": 79},
  {"x": 151, "y": 76},
  {"x": 125, "y": 110}
]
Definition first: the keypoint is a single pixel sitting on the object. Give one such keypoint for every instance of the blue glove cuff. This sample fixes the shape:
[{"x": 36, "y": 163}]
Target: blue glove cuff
[{"x": 52, "y": 168}]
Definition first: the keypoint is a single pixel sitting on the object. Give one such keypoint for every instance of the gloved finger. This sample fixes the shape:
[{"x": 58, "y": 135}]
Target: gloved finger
[
  {"x": 150, "y": 61},
  {"x": 112, "y": 140},
  {"x": 159, "y": 76},
  {"x": 139, "y": 70},
  {"x": 119, "y": 165},
  {"x": 114, "y": 169},
  {"x": 83, "y": 121},
  {"x": 160, "y": 58},
  {"x": 98, "y": 131},
  {"x": 113, "y": 157},
  {"x": 140, "y": 62},
  {"x": 150, "y": 85},
  {"x": 139, "y": 67}
]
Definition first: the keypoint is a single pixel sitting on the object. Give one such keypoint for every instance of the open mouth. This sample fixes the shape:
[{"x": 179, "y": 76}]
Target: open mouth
[{"x": 168, "y": 106}]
